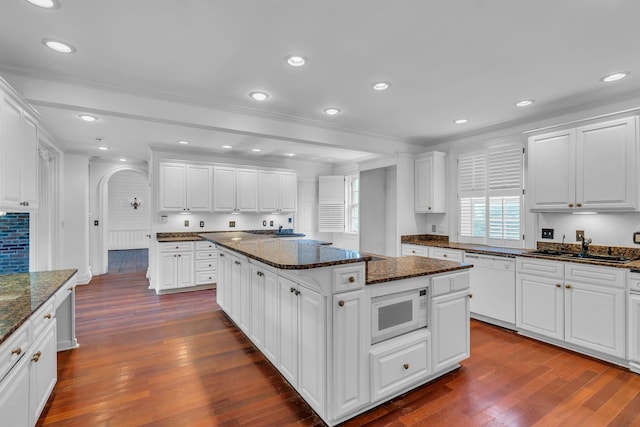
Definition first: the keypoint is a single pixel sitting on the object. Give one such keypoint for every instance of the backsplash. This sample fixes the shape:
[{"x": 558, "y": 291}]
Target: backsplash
[{"x": 14, "y": 243}]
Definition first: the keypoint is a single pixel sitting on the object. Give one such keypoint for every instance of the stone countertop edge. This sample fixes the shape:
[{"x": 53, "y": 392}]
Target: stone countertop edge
[
  {"x": 15, "y": 312},
  {"x": 393, "y": 277}
]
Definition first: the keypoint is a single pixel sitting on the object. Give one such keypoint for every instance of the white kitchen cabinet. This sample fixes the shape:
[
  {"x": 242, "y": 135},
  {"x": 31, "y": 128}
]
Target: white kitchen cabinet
[
  {"x": 223, "y": 286},
  {"x": 14, "y": 395},
  {"x": 592, "y": 167},
  {"x": 206, "y": 263},
  {"x": 18, "y": 156},
  {"x": 450, "y": 329},
  {"x": 634, "y": 330},
  {"x": 430, "y": 183},
  {"x": 235, "y": 190},
  {"x": 415, "y": 250},
  {"x": 277, "y": 191},
  {"x": 42, "y": 370},
  {"x": 184, "y": 187},
  {"x": 349, "y": 351},
  {"x": 271, "y": 317},
  {"x": 176, "y": 265},
  {"x": 288, "y": 322},
  {"x": 240, "y": 282},
  {"x": 540, "y": 305},
  {"x": 257, "y": 316},
  {"x": 445, "y": 254}
]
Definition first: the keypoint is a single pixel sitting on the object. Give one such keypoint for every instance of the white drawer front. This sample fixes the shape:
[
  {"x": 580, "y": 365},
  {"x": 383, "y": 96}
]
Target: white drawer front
[
  {"x": 14, "y": 348},
  {"x": 200, "y": 246},
  {"x": 451, "y": 282},
  {"x": 393, "y": 367},
  {"x": 416, "y": 250},
  {"x": 42, "y": 318},
  {"x": 204, "y": 277},
  {"x": 176, "y": 246},
  {"x": 206, "y": 255},
  {"x": 446, "y": 254},
  {"x": 608, "y": 276},
  {"x": 207, "y": 265},
  {"x": 538, "y": 267},
  {"x": 348, "y": 278},
  {"x": 635, "y": 282}
]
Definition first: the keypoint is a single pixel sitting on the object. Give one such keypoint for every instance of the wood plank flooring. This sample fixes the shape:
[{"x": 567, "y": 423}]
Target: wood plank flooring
[
  {"x": 128, "y": 260},
  {"x": 177, "y": 360}
]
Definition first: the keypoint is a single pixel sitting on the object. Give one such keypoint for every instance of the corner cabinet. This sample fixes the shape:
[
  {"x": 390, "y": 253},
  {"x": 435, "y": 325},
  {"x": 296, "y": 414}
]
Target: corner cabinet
[
  {"x": 18, "y": 156},
  {"x": 592, "y": 167},
  {"x": 184, "y": 187},
  {"x": 430, "y": 183}
]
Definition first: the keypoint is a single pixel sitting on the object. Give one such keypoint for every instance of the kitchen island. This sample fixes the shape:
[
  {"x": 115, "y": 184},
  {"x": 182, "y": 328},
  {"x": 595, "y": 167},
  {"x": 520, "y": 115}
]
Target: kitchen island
[{"x": 309, "y": 309}]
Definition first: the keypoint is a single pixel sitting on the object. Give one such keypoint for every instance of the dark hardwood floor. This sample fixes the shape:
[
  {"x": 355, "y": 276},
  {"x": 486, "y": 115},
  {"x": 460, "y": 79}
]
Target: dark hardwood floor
[
  {"x": 177, "y": 360},
  {"x": 128, "y": 260}
]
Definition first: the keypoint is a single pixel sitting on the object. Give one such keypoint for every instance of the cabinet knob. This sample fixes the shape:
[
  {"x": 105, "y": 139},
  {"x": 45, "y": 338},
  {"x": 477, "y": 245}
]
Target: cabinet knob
[
  {"x": 405, "y": 366},
  {"x": 341, "y": 303},
  {"x": 17, "y": 350},
  {"x": 47, "y": 316},
  {"x": 297, "y": 292},
  {"x": 568, "y": 286},
  {"x": 352, "y": 279},
  {"x": 237, "y": 262},
  {"x": 413, "y": 251},
  {"x": 177, "y": 247},
  {"x": 444, "y": 255},
  {"x": 70, "y": 289},
  {"x": 36, "y": 356},
  {"x": 221, "y": 255},
  {"x": 291, "y": 290},
  {"x": 558, "y": 285},
  {"x": 210, "y": 254},
  {"x": 578, "y": 205},
  {"x": 470, "y": 295},
  {"x": 570, "y": 205},
  {"x": 179, "y": 255}
]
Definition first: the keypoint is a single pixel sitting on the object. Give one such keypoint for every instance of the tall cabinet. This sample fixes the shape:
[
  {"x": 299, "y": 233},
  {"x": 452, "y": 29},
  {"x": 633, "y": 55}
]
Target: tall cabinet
[{"x": 429, "y": 183}]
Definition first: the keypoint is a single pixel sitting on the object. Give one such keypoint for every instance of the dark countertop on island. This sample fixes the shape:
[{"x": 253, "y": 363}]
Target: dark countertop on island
[
  {"x": 21, "y": 294},
  {"x": 389, "y": 269}
]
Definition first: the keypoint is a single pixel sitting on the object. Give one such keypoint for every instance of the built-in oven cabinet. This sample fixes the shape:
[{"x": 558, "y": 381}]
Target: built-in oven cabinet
[{"x": 432, "y": 252}]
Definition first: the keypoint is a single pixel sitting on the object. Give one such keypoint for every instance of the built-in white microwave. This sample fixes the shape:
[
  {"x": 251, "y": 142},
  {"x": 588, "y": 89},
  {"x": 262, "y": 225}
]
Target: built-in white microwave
[{"x": 398, "y": 313}]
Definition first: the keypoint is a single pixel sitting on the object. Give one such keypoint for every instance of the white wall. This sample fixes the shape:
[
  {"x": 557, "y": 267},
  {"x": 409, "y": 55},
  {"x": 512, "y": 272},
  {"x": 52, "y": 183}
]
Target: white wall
[
  {"x": 127, "y": 227},
  {"x": 373, "y": 210}
]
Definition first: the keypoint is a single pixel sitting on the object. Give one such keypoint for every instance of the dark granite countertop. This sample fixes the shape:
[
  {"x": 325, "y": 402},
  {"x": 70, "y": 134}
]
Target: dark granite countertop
[
  {"x": 443, "y": 242},
  {"x": 21, "y": 294},
  {"x": 388, "y": 269},
  {"x": 189, "y": 236},
  {"x": 283, "y": 253}
]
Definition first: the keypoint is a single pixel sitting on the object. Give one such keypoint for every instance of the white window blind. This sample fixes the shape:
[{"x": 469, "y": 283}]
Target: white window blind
[{"x": 331, "y": 204}]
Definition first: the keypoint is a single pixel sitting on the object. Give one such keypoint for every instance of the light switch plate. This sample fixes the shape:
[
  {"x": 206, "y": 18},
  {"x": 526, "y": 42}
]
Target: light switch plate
[
  {"x": 636, "y": 237},
  {"x": 547, "y": 233}
]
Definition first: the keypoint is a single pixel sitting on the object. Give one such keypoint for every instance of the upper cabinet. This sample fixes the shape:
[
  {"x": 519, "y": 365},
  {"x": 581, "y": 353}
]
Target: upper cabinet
[
  {"x": 430, "y": 183},
  {"x": 18, "y": 156},
  {"x": 278, "y": 191},
  {"x": 589, "y": 168},
  {"x": 235, "y": 190},
  {"x": 184, "y": 187}
]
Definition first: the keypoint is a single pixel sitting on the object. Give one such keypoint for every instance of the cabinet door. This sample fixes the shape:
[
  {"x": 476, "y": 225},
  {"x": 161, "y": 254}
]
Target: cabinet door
[
  {"x": 224, "y": 189},
  {"x": 450, "y": 329},
  {"x": 271, "y": 312},
  {"x": 11, "y": 154},
  {"x": 185, "y": 268},
  {"x": 247, "y": 190},
  {"x": 552, "y": 171},
  {"x": 29, "y": 156},
  {"x": 606, "y": 167},
  {"x": 43, "y": 370},
  {"x": 221, "y": 285},
  {"x": 287, "y": 191},
  {"x": 423, "y": 183},
  {"x": 594, "y": 317},
  {"x": 311, "y": 347},
  {"x": 235, "y": 289},
  {"x": 169, "y": 270},
  {"x": 540, "y": 305},
  {"x": 268, "y": 183},
  {"x": 14, "y": 396},
  {"x": 171, "y": 187},
  {"x": 349, "y": 346},
  {"x": 198, "y": 188},
  {"x": 257, "y": 307},
  {"x": 288, "y": 322},
  {"x": 634, "y": 327}
]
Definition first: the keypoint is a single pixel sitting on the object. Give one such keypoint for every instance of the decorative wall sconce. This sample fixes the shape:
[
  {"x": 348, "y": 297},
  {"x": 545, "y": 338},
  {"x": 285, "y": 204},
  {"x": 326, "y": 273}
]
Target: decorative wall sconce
[{"x": 136, "y": 202}]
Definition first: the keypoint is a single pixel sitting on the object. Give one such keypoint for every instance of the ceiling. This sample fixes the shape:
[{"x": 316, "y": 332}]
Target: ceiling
[{"x": 157, "y": 71}]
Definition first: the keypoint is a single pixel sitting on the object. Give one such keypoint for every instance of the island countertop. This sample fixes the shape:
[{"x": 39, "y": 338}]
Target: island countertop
[
  {"x": 388, "y": 269},
  {"x": 284, "y": 254},
  {"x": 21, "y": 294}
]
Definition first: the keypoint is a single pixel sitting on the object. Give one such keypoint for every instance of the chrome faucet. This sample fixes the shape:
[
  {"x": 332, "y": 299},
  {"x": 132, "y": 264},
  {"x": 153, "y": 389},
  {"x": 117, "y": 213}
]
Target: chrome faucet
[{"x": 585, "y": 244}]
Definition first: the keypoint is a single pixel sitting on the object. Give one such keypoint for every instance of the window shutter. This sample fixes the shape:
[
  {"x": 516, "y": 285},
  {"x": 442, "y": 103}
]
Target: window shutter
[
  {"x": 331, "y": 204},
  {"x": 505, "y": 169},
  {"x": 472, "y": 173}
]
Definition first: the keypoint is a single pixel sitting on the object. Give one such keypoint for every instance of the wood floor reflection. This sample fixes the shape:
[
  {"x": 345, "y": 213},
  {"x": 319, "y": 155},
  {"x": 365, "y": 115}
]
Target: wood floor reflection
[{"x": 177, "y": 360}]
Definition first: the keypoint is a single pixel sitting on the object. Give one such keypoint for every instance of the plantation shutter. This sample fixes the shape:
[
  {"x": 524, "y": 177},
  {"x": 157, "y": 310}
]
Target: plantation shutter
[
  {"x": 331, "y": 204},
  {"x": 505, "y": 191},
  {"x": 472, "y": 181}
]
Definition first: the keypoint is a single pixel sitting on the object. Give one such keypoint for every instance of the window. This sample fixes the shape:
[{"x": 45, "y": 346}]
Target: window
[
  {"x": 353, "y": 198},
  {"x": 490, "y": 188}
]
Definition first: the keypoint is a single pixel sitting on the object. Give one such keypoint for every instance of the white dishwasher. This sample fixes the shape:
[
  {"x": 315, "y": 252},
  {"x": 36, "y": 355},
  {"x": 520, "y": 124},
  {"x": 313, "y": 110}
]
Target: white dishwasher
[{"x": 493, "y": 286}]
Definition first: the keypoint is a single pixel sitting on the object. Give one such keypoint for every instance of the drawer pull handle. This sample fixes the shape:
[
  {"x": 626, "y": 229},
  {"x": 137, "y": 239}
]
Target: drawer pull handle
[
  {"x": 47, "y": 316},
  {"x": 221, "y": 255},
  {"x": 36, "y": 356},
  {"x": 405, "y": 366},
  {"x": 567, "y": 286},
  {"x": 558, "y": 285},
  {"x": 352, "y": 279},
  {"x": 297, "y": 292},
  {"x": 570, "y": 205},
  {"x": 578, "y": 205},
  {"x": 237, "y": 262},
  {"x": 291, "y": 290},
  {"x": 177, "y": 247},
  {"x": 444, "y": 255},
  {"x": 17, "y": 350},
  {"x": 470, "y": 295},
  {"x": 341, "y": 303}
]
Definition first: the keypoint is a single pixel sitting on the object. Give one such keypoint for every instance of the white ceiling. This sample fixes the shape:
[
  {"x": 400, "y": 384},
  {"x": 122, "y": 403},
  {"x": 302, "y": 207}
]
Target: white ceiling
[{"x": 155, "y": 71}]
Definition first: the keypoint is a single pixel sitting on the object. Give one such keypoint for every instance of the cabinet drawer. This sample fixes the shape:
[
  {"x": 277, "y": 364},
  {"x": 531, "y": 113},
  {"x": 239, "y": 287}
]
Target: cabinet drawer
[
  {"x": 176, "y": 246},
  {"x": 64, "y": 292},
  {"x": 635, "y": 282},
  {"x": 446, "y": 254},
  {"x": 14, "y": 348},
  {"x": 607, "y": 276},
  {"x": 416, "y": 250},
  {"x": 206, "y": 255},
  {"x": 451, "y": 282},
  {"x": 207, "y": 265},
  {"x": 538, "y": 267},
  {"x": 42, "y": 318},
  {"x": 204, "y": 277},
  {"x": 348, "y": 278},
  {"x": 203, "y": 246},
  {"x": 398, "y": 362}
]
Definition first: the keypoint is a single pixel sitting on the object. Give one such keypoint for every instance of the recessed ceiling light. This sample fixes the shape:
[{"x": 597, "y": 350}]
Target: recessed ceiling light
[
  {"x": 227, "y": 146},
  {"x": 59, "y": 46},
  {"x": 183, "y": 142},
  {"x": 379, "y": 86},
  {"x": 103, "y": 148},
  {"x": 256, "y": 150},
  {"x": 331, "y": 111},
  {"x": 615, "y": 76},
  {"x": 47, "y": 4},
  {"x": 460, "y": 121},
  {"x": 87, "y": 118},
  {"x": 259, "y": 96},
  {"x": 296, "y": 60},
  {"x": 524, "y": 103},
  {"x": 122, "y": 159},
  {"x": 290, "y": 154}
]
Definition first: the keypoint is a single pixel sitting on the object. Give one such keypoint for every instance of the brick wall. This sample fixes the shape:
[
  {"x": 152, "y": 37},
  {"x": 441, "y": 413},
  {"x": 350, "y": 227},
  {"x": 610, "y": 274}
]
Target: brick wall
[{"x": 14, "y": 243}]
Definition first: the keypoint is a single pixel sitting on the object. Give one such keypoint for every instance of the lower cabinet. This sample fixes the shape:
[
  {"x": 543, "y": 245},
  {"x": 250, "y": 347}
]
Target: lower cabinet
[
  {"x": 184, "y": 265},
  {"x": 14, "y": 395},
  {"x": 634, "y": 328},
  {"x": 450, "y": 329},
  {"x": 42, "y": 371}
]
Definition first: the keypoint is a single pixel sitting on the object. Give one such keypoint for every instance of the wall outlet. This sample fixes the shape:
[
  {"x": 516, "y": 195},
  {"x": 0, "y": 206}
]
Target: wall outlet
[
  {"x": 290, "y": 220},
  {"x": 95, "y": 222},
  {"x": 434, "y": 228},
  {"x": 163, "y": 219},
  {"x": 636, "y": 237},
  {"x": 547, "y": 233},
  {"x": 579, "y": 235},
  {"x": 201, "y": 224},
  {"x": 264, "y": 223},
  {"x": 270, "y": 223},
  {"x": 232, "y": 224},
  {"x": 186, "y": 222}
]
